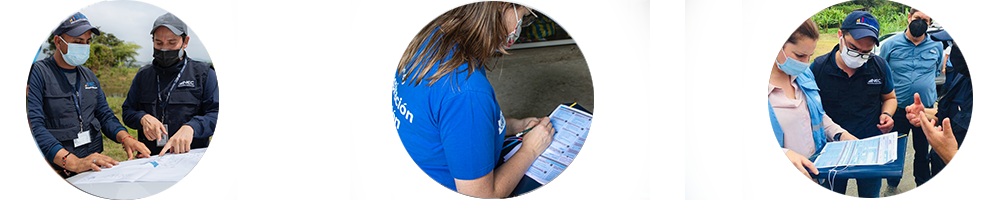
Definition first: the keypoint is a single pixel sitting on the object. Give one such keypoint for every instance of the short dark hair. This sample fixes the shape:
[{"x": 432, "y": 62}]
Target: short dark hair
[
  {"x": 692, "y": 6},
  {"x": 225, "y": 61}
]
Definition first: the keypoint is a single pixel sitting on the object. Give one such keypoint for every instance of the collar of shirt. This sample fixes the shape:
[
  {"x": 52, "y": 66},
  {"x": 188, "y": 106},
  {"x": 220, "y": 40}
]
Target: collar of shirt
[{"x": 763, "y": 86}]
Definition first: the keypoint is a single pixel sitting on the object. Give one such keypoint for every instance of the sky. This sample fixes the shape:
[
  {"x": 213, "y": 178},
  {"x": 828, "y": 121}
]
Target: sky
[{"x": 132, "y": 21}]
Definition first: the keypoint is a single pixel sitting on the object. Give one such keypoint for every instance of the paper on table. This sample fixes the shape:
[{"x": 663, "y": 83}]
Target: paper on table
[
  {"x": 572, "y": 126},
  {"x": 173, "y": 167},
  {"x": 120, "y": 173},
  {"x": 877, "y": 150},
  {"x": 170, "y": 167}
]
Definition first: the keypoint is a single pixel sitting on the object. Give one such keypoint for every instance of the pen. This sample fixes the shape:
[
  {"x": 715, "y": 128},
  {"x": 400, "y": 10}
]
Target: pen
[{"x": 522, "y": 132}]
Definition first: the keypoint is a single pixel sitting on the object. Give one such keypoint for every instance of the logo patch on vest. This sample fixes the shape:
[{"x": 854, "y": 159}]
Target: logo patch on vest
[
  {"x": 186, "y": 83},
  {"x": 90, "y": 86},
  {"x": 875, "y": 81}
]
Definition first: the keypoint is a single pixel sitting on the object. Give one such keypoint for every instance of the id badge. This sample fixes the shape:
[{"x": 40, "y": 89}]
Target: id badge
[
  {"x": 82, "y": 138},
  {"x": 163, "y": 138}
]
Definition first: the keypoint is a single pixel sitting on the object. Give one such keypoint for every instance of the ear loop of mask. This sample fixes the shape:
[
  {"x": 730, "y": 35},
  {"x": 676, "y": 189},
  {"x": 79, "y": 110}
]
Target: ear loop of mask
[{"x": 832, "y": 174}]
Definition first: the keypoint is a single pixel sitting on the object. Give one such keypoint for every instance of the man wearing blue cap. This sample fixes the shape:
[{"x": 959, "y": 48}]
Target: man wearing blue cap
[
  {"x": 857, "y": 88},
  {"x": 67, "y": 109},
  {"x": 173, "y": 102},
  {"x": 915, "y": 60}
]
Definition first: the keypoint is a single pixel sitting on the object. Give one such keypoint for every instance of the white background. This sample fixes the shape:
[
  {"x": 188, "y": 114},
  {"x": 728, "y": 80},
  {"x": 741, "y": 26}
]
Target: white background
[{"x": 307, "y": 88}]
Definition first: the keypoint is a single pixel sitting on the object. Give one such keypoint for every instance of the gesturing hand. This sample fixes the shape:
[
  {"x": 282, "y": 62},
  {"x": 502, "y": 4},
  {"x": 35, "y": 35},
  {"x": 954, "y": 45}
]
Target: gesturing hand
[
  {"x": 885, "y": 123},
  {"x": 916, "y": 108},
  {"x": 132, "y": 146},
  {"x": 942, "y": 139},
  {"x": 152, "y": 128},
  {"x": 180, "y": 142},
  {"x": 540, "y": 137}
]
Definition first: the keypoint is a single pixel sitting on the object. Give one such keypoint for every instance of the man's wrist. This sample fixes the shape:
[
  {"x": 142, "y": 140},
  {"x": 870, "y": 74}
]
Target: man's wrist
[{"x": 886, "y": 113}]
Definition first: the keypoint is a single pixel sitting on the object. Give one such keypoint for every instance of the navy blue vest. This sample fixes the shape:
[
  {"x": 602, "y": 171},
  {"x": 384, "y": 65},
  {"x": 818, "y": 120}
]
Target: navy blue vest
[
  {"x": 61, "y": 117},
  {"x": 184, "y": 102}
]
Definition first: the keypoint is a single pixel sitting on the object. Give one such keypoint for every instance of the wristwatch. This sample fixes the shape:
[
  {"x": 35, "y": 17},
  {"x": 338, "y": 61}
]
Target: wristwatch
[
  {"x": 887, "y": 113},
  {"x": 837, "y": 136}
]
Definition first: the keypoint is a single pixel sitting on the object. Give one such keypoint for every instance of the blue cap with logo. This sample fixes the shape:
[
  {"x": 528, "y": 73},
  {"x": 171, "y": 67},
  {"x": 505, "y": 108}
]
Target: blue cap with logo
[
  {"x": 861, "y": 24},
  {"x": 75, "y": 26}
]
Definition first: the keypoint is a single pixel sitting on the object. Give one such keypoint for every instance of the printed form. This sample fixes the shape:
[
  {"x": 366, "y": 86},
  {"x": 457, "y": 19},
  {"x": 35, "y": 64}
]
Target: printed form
[
  {"x": 170, "y": 167},
  {"x": 571, "y": 126},
  {"x": 877, "y": 150}
]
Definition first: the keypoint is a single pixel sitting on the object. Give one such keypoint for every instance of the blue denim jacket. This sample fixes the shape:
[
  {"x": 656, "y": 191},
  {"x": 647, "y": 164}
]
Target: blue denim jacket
[{"x": 807, "y": 84}]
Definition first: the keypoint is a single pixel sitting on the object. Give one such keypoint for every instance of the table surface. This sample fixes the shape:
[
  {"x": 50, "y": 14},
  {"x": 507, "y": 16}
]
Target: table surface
[
  {"x": 621, "y": 191},
  {"x": 123, "y": 190}
]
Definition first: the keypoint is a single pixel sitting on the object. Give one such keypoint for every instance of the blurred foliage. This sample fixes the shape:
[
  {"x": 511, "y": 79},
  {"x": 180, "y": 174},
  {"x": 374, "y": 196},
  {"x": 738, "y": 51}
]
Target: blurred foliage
[
  {"x": 890, "y": 15},
  {"x": 106, "y": 50}
]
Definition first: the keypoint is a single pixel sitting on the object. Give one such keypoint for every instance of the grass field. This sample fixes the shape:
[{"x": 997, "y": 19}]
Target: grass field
[
  {"x": 825, "y": 44},
  {"x": 115, "y": 82}
]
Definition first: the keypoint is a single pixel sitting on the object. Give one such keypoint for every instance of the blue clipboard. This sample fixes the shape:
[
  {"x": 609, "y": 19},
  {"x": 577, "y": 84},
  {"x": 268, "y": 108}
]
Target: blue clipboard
[{"x": 890, "y": 170}]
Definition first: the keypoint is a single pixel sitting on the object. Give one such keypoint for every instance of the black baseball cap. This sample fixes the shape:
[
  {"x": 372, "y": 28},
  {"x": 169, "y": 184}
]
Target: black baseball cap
[
  {"x": 171, "y": 22},
  {"x": 76, "y": 25},
  {"x": 861, "y": 24}
]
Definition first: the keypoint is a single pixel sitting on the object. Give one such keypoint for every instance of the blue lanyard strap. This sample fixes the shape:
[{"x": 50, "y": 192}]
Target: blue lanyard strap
[{"x": 173, "y": 84}]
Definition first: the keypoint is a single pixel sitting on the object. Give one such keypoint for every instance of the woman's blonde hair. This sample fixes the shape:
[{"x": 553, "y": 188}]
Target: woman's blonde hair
[{"x": 472, "y": 33}]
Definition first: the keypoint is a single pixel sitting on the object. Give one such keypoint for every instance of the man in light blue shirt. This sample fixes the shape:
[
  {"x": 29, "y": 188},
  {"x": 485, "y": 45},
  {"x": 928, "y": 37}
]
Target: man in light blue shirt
[{"x": 915, "y": 60}]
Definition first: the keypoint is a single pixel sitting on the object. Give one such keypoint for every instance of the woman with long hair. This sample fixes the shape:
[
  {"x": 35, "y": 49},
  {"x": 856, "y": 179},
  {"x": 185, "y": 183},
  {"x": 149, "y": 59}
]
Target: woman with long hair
[
  {"x": 446, "y": 111},
  {"x": 797, "y": 117}
]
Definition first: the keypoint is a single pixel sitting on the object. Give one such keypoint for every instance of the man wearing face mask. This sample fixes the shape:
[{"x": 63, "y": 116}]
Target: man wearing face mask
[
  {"x": 857, "y": 88},
  {"x": 173, "y": 102},
  {"x": 915, "y": 60},
  {"x": 67, "y": 109}
]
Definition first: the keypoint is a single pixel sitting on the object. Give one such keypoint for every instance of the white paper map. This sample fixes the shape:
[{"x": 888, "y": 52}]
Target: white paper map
[
  {"x": 877, "y": 150},
  {"x": 170, "y": 167},
  {"x": 572, "y": 126}
]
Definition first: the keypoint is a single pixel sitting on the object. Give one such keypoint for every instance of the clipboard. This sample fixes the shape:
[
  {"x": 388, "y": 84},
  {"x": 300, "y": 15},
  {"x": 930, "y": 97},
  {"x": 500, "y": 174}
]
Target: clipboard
[{"x": 758, "y": 166}]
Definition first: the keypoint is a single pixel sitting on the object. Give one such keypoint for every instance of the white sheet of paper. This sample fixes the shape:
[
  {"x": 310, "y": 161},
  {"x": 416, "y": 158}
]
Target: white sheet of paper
[
  {"x": 170, "y": 167},
  {"x": 572, "y": 126},
  {"x": 876, "y": 150}
]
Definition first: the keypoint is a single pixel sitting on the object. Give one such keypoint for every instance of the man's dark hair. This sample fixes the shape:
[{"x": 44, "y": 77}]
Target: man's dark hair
[{"x": 225, "y": 61}]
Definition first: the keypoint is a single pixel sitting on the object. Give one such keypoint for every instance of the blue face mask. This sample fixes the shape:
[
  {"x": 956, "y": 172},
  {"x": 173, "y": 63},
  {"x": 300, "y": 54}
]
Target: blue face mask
[
  {"x": 791, "y": 67},
  {"x": 76, "y": 54}
]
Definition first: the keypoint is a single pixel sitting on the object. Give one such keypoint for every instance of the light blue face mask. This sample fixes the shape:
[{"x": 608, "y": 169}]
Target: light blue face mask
[
  {"x": 791, "y": 67},
  {"x": 76, "y": 54}
]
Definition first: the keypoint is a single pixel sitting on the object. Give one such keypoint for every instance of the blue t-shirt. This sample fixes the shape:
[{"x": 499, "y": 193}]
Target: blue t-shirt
[
  {"x": 452, "y": 129},
  {"x": 913, "y": 67}
]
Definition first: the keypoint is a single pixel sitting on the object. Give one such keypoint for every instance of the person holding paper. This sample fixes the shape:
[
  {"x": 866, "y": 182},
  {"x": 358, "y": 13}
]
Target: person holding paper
[
  {"x": 708, "y": 171},
  {"x": 797, "y": 117},
  {"x": 446, "y": 111},
  {"x": 173, "y": 102},
  {"x": 857, "y": 88},
  {"x": 67, "y": 109}
]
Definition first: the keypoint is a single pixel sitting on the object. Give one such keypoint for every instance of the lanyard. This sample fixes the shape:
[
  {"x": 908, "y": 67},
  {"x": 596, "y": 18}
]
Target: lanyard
[
  {"x": 173, "y": 84},
  {"x": 76, "y": 95}
]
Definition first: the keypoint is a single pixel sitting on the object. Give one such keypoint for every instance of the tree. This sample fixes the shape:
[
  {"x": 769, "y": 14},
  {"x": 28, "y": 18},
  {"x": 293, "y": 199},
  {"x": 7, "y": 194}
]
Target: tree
[{"x": 106, "y": 50}]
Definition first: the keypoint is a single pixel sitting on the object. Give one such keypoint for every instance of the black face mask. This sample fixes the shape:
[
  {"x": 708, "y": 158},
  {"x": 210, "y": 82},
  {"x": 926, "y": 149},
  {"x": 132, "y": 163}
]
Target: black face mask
[
  {"x": 166, "y": 58},
  {"x": 918, "y": 27}
]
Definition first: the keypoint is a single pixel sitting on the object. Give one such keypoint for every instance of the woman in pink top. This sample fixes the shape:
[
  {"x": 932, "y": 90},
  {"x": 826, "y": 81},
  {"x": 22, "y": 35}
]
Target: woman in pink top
[{"x": 797, "y": 117}]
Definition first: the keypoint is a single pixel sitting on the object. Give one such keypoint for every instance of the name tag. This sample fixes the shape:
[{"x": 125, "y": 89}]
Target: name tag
[
  {"x": 163, "y": 138},
  {"x": 81, "y": 139}
]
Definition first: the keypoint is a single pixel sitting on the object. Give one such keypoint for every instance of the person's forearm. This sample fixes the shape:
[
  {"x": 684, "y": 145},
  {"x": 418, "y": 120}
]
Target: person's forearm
[
  {"x": 510, "y": 131},
  {"x": 946, "y": 155},
  {"x": 889, "y": 106},
  {"x": 508, "y": 174}
]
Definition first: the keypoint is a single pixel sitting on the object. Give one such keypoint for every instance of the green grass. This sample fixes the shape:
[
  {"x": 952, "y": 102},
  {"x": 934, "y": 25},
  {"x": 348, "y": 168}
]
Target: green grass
[
  {"x": 116, "y": 82},
  {"x": 826, "y": 43},
  {"x": 112, "y": 148}
]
